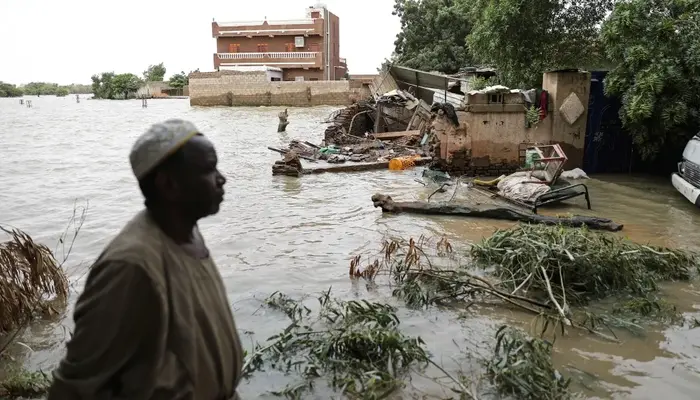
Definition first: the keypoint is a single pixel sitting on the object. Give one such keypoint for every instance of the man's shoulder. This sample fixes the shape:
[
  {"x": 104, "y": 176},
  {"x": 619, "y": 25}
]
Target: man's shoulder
[{"x": 138, "y": 244}]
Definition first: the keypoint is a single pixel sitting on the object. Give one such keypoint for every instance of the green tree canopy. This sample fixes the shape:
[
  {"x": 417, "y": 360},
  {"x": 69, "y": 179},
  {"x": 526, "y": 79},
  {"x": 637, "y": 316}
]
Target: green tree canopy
[
  {"x": 179, "y": 80},
  {"x": 154, "y": 73},
  {"x": 125, "y": 84},
  {"x": 433, "y": 34},
  {"x": 102, "y": 86},
  {"x": 9, "y": 90},
  {"x": 523, "y": 39},
  {"x": 62, "y": 91},
  {"x": 655, "y": 46}
]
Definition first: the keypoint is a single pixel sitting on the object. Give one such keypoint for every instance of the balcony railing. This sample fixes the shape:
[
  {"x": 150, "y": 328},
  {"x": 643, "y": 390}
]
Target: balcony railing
[
  {"x": 270, "y": 32},
  {"x": 275, "y": 55},
  {"x": 271, "y": 22}
]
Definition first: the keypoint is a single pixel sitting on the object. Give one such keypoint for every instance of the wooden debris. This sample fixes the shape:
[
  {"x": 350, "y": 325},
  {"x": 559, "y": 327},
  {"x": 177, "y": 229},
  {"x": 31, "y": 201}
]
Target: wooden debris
[
  {"x": 387, "y": 204},
  {"x": 395, "y": 135},
  {"x": 282, "y": 126}
]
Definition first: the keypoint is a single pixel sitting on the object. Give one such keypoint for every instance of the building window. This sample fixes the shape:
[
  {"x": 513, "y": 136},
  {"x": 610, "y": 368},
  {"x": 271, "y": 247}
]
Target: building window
[
  {"x": 273, "y": 79},
  {"x": 262, "y": 48},
  {"x": 233, "y": 47},
  {"x": 313, "y": 79}
]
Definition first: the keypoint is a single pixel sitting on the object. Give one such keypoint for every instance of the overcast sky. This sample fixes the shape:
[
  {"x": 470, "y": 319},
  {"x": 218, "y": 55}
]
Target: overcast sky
[{"x": 67, "y": 41}]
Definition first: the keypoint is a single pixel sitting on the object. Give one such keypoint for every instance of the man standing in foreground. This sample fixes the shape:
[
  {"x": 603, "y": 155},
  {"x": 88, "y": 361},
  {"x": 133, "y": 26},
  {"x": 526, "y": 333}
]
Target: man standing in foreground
[{"x": 153, "y": 321}]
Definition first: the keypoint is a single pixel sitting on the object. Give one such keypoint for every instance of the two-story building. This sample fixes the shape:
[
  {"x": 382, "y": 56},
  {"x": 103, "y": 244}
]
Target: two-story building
[{"x": 307, "y": 49}]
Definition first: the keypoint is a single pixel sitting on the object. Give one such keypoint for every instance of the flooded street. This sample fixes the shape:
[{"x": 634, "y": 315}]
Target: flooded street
[{"x": 298, "y": 235}]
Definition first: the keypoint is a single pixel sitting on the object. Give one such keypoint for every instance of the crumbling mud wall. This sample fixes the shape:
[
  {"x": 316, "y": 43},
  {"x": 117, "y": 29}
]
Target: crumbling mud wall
[
  {"x": 251, "y": 88},
  {"x": 350, "y": 122}
]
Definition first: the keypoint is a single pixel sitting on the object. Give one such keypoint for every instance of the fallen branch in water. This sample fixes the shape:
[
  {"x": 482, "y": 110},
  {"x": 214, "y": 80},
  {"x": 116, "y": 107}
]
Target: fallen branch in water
[
  {"x": 522, "y": 368},
  {"x": 355, "y": 345},
  {"x": 554, "y": 272}
]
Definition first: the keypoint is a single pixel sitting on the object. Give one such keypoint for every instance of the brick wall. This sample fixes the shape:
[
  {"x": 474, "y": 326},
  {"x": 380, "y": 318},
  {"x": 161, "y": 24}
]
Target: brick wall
[{"x": 234, "y": 88}]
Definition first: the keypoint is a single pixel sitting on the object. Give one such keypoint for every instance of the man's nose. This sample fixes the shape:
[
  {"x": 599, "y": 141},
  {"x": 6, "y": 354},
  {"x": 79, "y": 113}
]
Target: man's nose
[{"x": 220, "y": 179}]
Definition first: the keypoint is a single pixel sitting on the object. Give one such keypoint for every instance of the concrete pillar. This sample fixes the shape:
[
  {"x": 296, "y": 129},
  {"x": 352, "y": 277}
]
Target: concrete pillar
[{"x": 569, "y": 92}]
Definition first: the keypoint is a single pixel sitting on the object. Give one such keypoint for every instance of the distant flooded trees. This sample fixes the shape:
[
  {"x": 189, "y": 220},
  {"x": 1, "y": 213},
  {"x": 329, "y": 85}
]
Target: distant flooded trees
[
  {"x": 9, "y": 90},
  {"x": 42, "y": 88}
]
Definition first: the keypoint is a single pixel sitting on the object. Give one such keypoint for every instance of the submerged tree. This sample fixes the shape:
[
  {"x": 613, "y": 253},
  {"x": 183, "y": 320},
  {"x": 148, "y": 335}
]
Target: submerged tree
[
  {"x": 154, "y": 73},
  {"x": 433, "y": 34},
  {"x": 655, "y": 45},
  {"x": 523, "y": 39}
]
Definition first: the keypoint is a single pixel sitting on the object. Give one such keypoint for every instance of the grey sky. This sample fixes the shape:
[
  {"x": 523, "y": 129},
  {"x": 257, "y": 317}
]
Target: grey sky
[{"x": 69, "y": 40}]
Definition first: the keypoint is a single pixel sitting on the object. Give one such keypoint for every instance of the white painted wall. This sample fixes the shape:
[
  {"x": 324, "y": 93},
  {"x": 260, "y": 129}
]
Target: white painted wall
[{"x": 274, "y": 74}]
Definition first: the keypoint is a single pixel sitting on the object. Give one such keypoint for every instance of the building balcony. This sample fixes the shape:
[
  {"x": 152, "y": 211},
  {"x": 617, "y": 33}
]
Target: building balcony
[
  {"x": 308, "y": 27},
  {"x": 292, "y": 59}
]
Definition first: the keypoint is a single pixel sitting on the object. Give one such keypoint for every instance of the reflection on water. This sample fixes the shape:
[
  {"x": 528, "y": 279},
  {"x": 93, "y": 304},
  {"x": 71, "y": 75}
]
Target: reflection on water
[{"x": 297, "y": 235}]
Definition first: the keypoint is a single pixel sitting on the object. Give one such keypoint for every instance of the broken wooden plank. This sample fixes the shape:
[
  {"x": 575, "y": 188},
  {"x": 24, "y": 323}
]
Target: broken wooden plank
[
  {"x": 315, "y": 146},
  {"x": 396, "y": 135},
  {"x": 286, "y": 151}
]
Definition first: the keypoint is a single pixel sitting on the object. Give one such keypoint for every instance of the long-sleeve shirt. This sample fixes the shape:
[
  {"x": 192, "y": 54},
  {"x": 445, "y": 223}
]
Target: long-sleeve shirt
[{"x": 152, "y": 323}]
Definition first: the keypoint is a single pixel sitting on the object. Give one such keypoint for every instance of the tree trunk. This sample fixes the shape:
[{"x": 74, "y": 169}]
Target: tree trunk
[{"x": 496, "y": 212}]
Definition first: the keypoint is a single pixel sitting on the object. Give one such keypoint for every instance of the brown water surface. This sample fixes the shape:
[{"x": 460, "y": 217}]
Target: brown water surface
[{"x": 298, "y": 235}]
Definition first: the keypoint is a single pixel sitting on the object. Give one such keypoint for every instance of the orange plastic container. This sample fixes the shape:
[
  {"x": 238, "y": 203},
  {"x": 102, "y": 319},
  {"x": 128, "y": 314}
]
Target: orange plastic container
[{"x": 401, "y": 163}]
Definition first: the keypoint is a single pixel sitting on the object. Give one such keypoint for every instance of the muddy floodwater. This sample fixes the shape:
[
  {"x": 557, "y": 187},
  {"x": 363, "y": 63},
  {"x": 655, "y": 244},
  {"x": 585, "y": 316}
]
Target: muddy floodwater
[{"x": 298, "y": 235}]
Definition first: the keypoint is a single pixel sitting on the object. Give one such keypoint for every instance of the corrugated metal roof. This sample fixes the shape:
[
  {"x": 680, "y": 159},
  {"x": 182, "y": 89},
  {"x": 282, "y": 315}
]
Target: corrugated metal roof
[
  {"x": 418, "y": 78},
  {"x": 423, "y": 84}
]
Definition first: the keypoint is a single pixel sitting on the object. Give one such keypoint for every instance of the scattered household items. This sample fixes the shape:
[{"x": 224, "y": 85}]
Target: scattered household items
[
  {"x": 353, "y": 138},
  {"x": 687, "y": 179},
  {"x": 388, "y": 205},
  {"x": 282, "y": 126},
  {"x": 540, "y": 184}
]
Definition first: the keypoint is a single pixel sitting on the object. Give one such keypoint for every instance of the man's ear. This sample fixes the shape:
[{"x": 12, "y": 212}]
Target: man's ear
[{"x": 167, "y": 186}]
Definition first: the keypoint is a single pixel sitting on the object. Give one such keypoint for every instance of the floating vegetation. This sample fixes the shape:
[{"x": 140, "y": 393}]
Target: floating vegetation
[
  {"x": 522, "y": 367},
  {"x": 354, "y": 345},
  {"x": 24, "y": 384},
  {"x": 562, "y": 276}
]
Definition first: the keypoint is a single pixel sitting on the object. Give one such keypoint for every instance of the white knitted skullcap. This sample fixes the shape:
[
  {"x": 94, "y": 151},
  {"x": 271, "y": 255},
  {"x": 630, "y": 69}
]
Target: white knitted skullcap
[{"x": 160, "y": 141}]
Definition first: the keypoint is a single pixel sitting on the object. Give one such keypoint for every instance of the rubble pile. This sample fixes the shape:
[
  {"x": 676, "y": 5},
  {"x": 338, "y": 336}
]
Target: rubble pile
[
  {"x": 349, "y": 122},
  {"x": 290, "y": 165}
]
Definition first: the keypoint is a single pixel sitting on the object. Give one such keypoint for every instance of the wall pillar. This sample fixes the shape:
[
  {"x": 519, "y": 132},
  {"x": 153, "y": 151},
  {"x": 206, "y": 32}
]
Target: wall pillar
[{"x": 569, "y": 92}]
